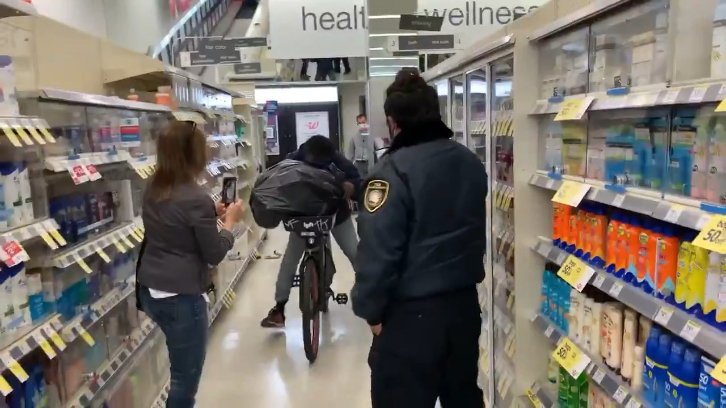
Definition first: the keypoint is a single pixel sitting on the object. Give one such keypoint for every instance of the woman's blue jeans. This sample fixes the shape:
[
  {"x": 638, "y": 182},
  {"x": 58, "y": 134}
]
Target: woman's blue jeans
[{"x": 183, "y": 320}]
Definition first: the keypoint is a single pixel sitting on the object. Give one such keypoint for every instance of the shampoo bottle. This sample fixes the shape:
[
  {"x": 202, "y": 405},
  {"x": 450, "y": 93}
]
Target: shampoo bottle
[{"x": 630, "y": 333}]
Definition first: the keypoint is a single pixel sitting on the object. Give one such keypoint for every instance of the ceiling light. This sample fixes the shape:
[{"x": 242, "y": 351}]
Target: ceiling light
[
  {"x": 384, "y": 17},
  {"x": 391, "y": 58},
  {"x": 376, "y": 49}
]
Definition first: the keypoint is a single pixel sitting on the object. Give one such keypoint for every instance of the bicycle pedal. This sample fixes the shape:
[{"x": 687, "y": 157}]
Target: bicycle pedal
[
  {"x": 341, "y": 299},
  {"x": 296, "y": 281}
]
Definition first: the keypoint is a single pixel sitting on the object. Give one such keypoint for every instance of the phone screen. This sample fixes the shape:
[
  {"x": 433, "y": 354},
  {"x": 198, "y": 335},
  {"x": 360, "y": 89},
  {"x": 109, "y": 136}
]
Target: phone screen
[{"x": 229, "y": 190}]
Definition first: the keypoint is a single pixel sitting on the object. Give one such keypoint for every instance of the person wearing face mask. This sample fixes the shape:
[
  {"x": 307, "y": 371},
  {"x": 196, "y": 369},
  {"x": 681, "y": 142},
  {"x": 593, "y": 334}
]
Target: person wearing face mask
[
  {"x": 361, "y": 148},
  {"x": 422, "y": 230}
]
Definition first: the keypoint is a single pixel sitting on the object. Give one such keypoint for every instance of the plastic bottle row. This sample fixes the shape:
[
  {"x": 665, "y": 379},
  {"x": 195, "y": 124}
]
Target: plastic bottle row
[
  {"x": 669, "y": 371},
  {"x": 653, "y": 255},
  {"x": 16, "y": 203}
]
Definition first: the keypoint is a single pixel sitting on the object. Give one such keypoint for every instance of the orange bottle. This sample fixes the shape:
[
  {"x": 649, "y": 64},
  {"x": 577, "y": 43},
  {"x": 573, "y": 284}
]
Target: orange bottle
[
  {"x": 583, "y": 240},
  {"x": 641, "y": 260},
  {"x": 598, "y": 234},
  {"x": 557, "y": 221},
  {"x": 611, "y": 239},
  {"x": 667, "y": 263},
  {"x": 633, "y": 237},
  {"x": 573, "y": 232},
  {"x": 564, "y": 222},
  {"x": 621, "y": 249},
  {"x": 655, "y": 236}
]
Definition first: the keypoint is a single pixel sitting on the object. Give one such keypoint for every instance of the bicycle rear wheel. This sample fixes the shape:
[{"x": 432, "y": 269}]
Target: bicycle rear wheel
[{"x": 310, "y": 307}]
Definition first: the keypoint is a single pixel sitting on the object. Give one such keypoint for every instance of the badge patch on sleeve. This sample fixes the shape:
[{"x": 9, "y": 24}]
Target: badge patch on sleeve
[{"x": 376, "y": 194}]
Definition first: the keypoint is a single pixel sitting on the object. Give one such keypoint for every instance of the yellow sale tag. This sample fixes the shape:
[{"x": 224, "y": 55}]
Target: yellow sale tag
[
  {"x": 82, "y": 263},
  {"x": 86, "y": 336},
  {"x": 139, "y": 232},
  {"x": 58, "y": 237},
  {"x": 10, "y": 135},
  {"x": 534, "y": 399},
  {"x": 103, "y": 255},
  {"x": 48, "y": 240},
  {"x": 56, "y": 339},
  {"x": 573, "y": 108},
  {"x": 119, "y": 246},
  {"x": 5, "y": 388},
  {"x": 15, "y": 368},
  {"x": 571, "y": 193},
  {"x": 570, "y": 357},
  {"x": 721, "y": 107},
  {"x": 575, "y": 272},
  {"x": 719, "y": 372},
  {"x": 38, "y": 138},
  {"x": 126, "y": 242},
  {"x": 47, "y": 348},
  {"x": 713, "y": 235},
  {"x": 48, "y": 136},
  {"x": 136, "y": 236},
  {"x": 24, "y": 136}
]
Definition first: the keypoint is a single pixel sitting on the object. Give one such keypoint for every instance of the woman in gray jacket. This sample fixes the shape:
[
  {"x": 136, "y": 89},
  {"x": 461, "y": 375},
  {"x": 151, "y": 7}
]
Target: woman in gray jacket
[{"x": 182, "y": 243}]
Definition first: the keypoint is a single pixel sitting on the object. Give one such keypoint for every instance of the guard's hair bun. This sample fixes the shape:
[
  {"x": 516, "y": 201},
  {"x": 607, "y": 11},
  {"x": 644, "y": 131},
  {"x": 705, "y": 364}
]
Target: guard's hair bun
[{"x": 407, "y": 80}]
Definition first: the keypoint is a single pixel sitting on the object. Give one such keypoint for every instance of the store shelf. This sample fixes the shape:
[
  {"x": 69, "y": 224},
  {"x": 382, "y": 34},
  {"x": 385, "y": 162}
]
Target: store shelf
[
  {"x": 225, "y": 140},
  {"x": 539, "y": 397},
  {"x": 600, "y": 373},
  {"x": 36, "y": 229},
  {"x": 697, "y": 332},
  {"x": 679, "y": 95},
  {"x": 22, "y": 342},
  {"x": 109, "y": 372},
  {"x": 61, "y": 164},
  {"x": 10, "y": 8},
  {"x": 52, "y": 94},
  {"x": 96, "y": 312},
  {"x": 25, "y": 130},
  {"x": 682, "y": 211},
  {"x": 119, "y": 237},
  {"x": 189, "y": 116}
]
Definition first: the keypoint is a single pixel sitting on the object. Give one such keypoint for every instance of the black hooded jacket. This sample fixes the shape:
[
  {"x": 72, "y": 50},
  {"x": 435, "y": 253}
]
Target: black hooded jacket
[{"x": 422, "y": 222}]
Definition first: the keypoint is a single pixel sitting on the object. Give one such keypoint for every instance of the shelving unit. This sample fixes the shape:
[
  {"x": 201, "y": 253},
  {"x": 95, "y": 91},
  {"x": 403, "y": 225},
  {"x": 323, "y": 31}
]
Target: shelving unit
[{"x": 590, "y": 86}]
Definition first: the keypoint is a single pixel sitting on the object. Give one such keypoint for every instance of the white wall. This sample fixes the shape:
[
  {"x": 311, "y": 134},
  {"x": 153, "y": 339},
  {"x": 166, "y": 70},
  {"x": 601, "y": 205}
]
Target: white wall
[
  {"x": 349, "y": 94},
  {"x": 84, "y": 15},
  {"x": 376, "y": 98},
  {"x": 137, "y": 24}
]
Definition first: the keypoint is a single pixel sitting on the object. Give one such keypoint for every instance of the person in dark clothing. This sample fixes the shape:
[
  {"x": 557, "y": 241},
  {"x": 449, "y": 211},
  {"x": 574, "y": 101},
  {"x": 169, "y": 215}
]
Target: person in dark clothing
[
  {"x": 324, "y": 71},
  {"x": 320, "y": 152},
  {"x": 421, "y": 254},
  {"x": 346, "y": 65},
  {"x": 304, "y": 70}
]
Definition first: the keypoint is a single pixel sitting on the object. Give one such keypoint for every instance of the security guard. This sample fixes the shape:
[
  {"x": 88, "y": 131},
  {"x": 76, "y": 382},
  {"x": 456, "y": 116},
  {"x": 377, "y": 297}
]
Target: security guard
[{"x": 421, "y": 254}]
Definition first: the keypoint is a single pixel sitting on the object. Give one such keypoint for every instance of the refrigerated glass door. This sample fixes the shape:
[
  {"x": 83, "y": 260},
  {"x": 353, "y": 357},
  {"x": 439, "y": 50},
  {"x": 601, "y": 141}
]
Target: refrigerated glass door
[
  {"x": 456, "y": 90},
  {"x": 502, "y": 214},
  {"x": 476, "y": 102},
  {"x": 442, "y": 89}
]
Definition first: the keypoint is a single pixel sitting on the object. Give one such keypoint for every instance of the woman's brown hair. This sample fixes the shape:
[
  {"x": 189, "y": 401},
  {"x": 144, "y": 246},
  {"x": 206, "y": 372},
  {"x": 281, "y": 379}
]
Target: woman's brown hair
[{"x": 181, "y": 156}]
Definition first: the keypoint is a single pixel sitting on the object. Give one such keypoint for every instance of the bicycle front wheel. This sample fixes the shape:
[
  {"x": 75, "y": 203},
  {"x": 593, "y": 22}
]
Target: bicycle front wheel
[{"x": 310, "y": 307}]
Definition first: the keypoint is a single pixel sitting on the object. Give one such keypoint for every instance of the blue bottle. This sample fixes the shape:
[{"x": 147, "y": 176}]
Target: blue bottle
[
  {"x": 660, "y": 369},
  {"x": 675, "y": 362},
  {"x": 651, "y": 349},
  {"x": 687, "y": 390},
  {"x": 711, "y": 393}
]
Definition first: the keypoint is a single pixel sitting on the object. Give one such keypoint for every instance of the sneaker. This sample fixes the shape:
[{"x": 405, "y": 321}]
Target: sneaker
[
  {"x": 304, "y": 77},
  {"x": 275, "y": 319}
]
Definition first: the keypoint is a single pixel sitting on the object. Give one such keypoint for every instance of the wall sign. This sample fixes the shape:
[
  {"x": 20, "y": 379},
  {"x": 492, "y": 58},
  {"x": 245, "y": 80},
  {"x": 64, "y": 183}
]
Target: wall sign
[
  {"x": 475, "y": 19},
  {"x": 309, "y": 124},
  {"x": 318, "y": 29}
]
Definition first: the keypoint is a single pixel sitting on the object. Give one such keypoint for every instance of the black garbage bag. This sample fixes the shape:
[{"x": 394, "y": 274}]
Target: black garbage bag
[{"x": 292, "y": 188}]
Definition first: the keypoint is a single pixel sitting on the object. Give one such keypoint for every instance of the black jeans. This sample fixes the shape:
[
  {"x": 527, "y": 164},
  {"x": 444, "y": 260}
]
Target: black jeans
[
  {"x": 184, "y": 321},
  {"x": 428, "y": 349}
]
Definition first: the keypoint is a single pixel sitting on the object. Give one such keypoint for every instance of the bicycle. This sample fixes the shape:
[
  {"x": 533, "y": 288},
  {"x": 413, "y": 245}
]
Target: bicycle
[{"x": 315, "y": 291}]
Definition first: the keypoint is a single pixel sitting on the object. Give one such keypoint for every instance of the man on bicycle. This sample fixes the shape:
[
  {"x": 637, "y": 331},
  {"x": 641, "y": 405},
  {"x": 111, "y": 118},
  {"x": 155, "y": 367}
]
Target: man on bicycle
[{"x": 320, "y": 152}]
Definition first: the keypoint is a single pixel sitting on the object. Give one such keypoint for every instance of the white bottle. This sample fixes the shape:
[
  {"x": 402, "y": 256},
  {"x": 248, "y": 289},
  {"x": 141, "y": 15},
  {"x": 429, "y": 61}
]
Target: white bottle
[
  {"x": 613, "y": 322},
  {"x": 595, "y": 328},
  {"x": 630, "y": 333},
  {"x": 26, "y": 194},
  {"x": 575, "y": 315},
  {"x": 636, "y": 382},
  {"x": 13, "y": 199},
  {"x": 20, "y": 296}
]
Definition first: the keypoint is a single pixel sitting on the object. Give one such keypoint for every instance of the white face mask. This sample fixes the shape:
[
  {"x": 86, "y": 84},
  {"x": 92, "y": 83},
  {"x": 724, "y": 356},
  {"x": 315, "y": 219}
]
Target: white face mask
[{"x": 362, "y": 126}]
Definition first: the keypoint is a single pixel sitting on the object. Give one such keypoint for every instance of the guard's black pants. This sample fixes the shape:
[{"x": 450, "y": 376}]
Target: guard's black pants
[{"x": 428, "y": 349}]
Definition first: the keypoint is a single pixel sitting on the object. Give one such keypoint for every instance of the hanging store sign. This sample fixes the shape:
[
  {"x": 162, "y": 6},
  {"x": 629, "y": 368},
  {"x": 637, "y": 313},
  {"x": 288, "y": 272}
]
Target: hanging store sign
[
  {"x": 426, "y": 42},
  {"x": 219, "y": 51},
  {"x": 475, "y": 19},
  {"x": 318, "y": 29},
  {"x": 420, "y": 23},
  {"x": 225, "y": 43}
]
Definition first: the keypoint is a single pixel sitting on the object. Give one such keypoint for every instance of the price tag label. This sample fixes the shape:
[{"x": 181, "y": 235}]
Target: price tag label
[
  {"x": 33, "y": 132},
  {"x": 103, "y": 255},
  {"x": 57, "y": 237},
  {"x": 721, "y": 106},
  {"x": 12, "y": 253},
  {"x": 5, "y": 388},
  {"x": 92, "y": 172},
  {"x": 534, "y": 399},
  {"x": 690, "y": 330},
  {"x": 135, "y": 235},
  {"x": 573, "y": 108},
  {"x": 599, "y": 280},
  {"x": 14, "y": 367},
  {"x": 673, "y": 214},
  {"x": 142, "y": 173},
  {"x": 78, "y": 174},
  {"x": 86, "y": 336},
  {"x": 56, "y": 338},
  {"x": 598, "y": 376},
  {"x": 697, "y": 94},
  {"x": 139, "y": 232},
  {"x": 119, "y": 246},
  {"x": 615, "y": 289},
  {"x": 719, "y": 372},
  {"x": 570, "y": 357},
  {"x": 46, "y": 237},
  {"x": 550, "y": 183},
  {"x": 549, "y": 331},
  {"x": 82, "y": 263},
  {"x": 620, "y": 395},
  {"x": 8, "y": 131},
  {"x": 633, "y": 403},
  {"x": 619, "y": 200},
  {"x": 126, "y": 241},
  {"x": 24, "y": 136},
  {"x": 576, "y": 273},
  {"x": 671, "y": 97},
  {"x": 45, "y": 345},
  {"x": 663, "y": 315},
  {"x": 571, "y": 193},
  {"x": 713, "y": 235}
]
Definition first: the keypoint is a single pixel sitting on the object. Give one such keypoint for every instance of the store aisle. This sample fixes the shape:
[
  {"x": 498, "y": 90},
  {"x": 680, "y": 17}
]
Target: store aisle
[{"x": 254, "y": 367}]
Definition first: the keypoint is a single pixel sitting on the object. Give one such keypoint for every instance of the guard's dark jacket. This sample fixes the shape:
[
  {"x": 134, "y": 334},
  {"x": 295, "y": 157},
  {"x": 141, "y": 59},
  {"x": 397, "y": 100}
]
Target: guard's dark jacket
[{"x": 427, "y": 238}]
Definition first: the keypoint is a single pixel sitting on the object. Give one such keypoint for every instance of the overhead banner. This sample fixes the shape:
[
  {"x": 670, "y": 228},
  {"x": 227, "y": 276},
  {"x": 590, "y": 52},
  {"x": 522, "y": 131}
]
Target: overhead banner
[
  {"x": 318, "y": 29},
  {"x": 473, "y": 20}
]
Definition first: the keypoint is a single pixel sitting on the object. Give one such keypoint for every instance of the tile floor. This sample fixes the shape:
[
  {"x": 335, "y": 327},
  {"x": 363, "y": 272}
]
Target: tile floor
[{"x": 248, "y": 366}]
